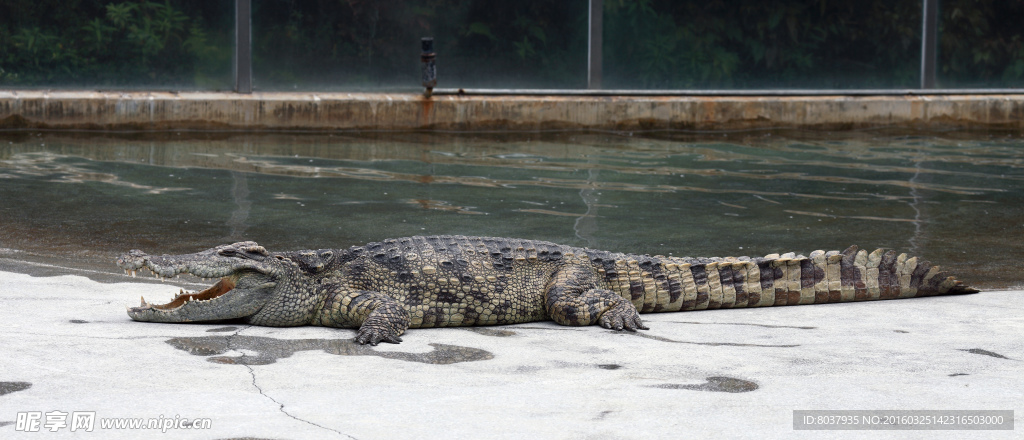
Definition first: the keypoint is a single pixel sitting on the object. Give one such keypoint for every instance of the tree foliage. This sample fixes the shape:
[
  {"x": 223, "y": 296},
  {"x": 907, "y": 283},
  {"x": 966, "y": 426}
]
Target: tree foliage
[
  {"x": 373, "y": 44},
  {"x": 114, "y": 44}
]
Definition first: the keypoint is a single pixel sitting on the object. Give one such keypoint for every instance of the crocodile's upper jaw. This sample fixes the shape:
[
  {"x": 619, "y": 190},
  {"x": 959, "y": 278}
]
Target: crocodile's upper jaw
[{"x": 247, "y": 278}]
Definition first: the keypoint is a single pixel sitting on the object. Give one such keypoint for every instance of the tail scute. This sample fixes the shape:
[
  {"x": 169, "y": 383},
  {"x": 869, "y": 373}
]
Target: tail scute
[
  {"x": 848, "y": 274},
  {"x": 887, "y": 284},
  {"x": 787, "y": 279}
]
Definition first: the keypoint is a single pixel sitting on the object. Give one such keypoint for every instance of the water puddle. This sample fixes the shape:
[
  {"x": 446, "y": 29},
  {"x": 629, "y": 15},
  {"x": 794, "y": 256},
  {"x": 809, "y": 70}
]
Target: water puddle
[
  {"x": 720, "y": 384},
  {"x": 260, "y": 350},
  {"x": 13, "y": 387},
  {"x": 985, "y": 353}
]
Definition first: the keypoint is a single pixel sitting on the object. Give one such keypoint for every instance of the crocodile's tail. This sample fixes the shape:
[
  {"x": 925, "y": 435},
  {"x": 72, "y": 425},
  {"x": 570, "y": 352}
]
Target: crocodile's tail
[{"x": 675, "y": 284}]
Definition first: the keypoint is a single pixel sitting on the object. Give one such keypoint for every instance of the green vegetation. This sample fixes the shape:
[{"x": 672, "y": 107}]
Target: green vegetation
[
  {"x": 374, "y": 44},
  {"x": 103, "y": 44},
  {"x": 981, "y": 43},
  {"x": 762, "y": 43}
]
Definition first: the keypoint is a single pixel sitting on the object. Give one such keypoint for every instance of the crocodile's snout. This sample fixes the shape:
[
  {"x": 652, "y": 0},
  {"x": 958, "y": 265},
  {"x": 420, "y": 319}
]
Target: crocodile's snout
[{"x": 246, "y": 279}]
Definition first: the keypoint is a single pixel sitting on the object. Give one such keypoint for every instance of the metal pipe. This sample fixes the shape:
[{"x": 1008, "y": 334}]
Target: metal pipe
[
  {"x": 429, "y": 67},
  {"x": 595, "y": 44},
  {"x": 243, "y": 46},
  {"x": 929, "y": 42},
  {"x": 772, "y": 92}
]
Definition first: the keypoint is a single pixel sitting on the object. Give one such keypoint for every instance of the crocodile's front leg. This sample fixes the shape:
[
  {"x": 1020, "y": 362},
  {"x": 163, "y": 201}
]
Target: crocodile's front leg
[
  {"x": 378, "y": 316},
  {"x": 573, "y": 298}
]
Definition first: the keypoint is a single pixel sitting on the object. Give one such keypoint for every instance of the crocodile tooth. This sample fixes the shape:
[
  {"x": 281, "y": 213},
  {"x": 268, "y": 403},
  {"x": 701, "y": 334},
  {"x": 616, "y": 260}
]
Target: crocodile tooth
[
  {"x": 133, "y": 274},
  {"x": 144, "y": 303}
]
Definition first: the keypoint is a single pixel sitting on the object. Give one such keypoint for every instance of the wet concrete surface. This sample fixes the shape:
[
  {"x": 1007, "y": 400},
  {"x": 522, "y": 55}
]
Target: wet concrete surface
[
  {"x": 269, "y": 350},
  {"x": 715, "y": 383},
  {"x": 69, "y": 346}
]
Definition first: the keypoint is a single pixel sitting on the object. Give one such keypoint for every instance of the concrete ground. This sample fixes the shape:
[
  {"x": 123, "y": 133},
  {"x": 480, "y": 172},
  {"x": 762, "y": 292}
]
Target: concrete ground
[{"x": 68, "y": 346}]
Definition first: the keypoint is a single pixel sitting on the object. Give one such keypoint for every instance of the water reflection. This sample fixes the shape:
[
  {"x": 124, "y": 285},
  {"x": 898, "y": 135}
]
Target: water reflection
[
  {"x": 955, "y": 199},
  {"x": 46, "y": 165}
]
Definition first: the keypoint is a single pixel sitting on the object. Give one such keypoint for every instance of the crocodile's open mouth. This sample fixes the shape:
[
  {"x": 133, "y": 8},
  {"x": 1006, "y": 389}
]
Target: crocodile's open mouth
[
  {"x": 243, "y": 274},
  {"x": 224, "y": 285}
]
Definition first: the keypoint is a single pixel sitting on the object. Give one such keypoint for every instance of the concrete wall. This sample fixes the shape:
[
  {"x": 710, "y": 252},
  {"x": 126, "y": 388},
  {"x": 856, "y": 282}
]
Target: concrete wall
[{"x": 374, "y": 111}]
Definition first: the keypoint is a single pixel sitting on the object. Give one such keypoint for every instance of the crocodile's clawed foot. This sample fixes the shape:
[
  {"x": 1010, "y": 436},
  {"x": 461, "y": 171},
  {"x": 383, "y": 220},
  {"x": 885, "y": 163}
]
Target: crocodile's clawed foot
[
  {"x": 376, "y": 335},
  {"x": 132, "y": 261},
  {"x": 622, "y": 316}
]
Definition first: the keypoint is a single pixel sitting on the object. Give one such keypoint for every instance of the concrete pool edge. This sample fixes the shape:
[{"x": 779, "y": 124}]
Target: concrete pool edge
[{"x": 340, "y": 111}]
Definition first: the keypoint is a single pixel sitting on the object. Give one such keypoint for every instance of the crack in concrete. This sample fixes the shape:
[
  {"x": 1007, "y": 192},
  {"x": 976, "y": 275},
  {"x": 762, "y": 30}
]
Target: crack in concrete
[{"x": 280, "y": 406}]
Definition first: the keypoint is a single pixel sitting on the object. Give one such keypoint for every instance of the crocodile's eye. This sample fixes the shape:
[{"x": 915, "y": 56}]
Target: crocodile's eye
[
  {"x": 258, "y": 250},
  {"x": 252, "y": 253},
  {"x": 327, "y": 255}
]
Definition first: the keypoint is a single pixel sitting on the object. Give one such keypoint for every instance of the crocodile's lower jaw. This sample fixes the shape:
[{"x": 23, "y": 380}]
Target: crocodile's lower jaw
[{"x": 224, "y": 285}]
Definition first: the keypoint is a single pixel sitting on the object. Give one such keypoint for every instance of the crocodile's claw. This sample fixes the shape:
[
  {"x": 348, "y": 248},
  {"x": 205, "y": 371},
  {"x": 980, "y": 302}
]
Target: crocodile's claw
[
  {"x": 622, "y": 316},
  {"x": 132, "y": 261},
  {"x": 374, "y": 335}
]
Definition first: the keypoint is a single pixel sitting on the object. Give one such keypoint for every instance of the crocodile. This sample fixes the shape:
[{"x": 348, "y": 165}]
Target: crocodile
[{"x": 384, "y": 288}]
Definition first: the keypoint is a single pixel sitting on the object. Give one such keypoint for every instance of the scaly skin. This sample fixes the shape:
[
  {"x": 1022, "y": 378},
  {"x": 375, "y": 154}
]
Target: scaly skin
[{"x": 441, "y": 281}]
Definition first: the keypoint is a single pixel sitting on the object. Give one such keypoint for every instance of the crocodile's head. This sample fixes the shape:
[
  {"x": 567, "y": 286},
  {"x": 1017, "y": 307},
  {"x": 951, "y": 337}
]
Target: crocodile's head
[{"x": 247, "y": 279}]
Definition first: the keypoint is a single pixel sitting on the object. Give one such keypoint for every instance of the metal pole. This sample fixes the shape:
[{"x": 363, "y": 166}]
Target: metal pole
[
  {"x": 243, "y": 46},
  {"x": 427, "y": 57},
  {"x": 929, "y": 43},
  {"x": 727, "y": 92},
  {"x": 595, "y": 45}
]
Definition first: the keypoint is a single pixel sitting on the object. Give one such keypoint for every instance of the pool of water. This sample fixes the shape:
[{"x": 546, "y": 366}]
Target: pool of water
[{"x": 956, "y": 199}]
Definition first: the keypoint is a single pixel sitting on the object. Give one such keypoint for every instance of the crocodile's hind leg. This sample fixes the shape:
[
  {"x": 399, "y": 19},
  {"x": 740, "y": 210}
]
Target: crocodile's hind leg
[
  {"x": 573, "y": 298},
  {"x": 378, "y": 316}
]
